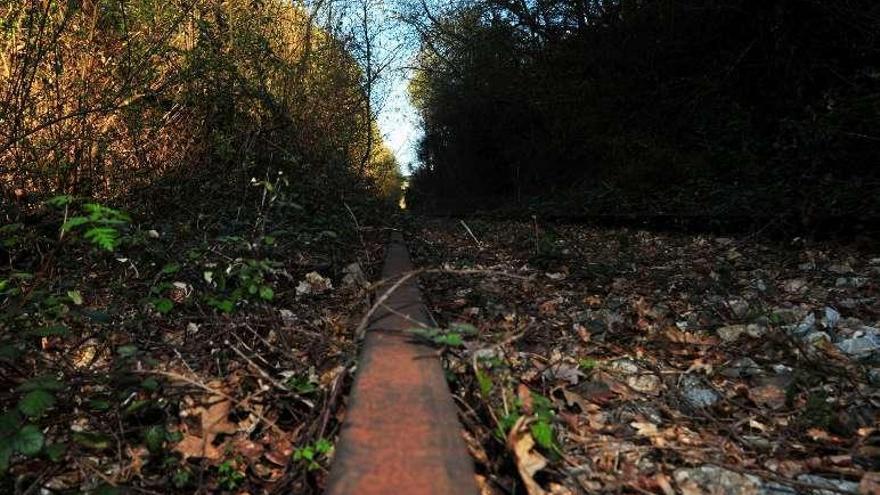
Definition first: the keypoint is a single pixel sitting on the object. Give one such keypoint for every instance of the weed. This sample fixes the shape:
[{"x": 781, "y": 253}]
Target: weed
[
  {"x": 312, "y": 455},
  {"x": 448, "y": 337},
  {"x": 229, "y": 477}
]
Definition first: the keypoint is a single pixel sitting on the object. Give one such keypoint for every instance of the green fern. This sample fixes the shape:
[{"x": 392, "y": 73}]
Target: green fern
[
  {"x": 104, "y": 237},
  {"x": 99, "y": 222}
]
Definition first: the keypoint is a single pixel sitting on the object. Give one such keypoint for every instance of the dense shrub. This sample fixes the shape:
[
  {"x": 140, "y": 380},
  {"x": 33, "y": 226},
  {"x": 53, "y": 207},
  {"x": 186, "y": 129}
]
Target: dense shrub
[
  {"x": 101, "y": 97},
  {"x": 727, "y": 108}
]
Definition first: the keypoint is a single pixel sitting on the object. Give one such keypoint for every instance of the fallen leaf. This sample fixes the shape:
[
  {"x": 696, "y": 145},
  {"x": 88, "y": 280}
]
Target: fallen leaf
[
  {"x": 525, "y": 398},
  {"x": 870, "y": 484},
  {"x": 214, "y": 421},
  {"x": 528, "y": 460},
  {"x": 771, "y": 396},
  {"x": 645, "y": 429},
  {"x": 673, "y": 334}
]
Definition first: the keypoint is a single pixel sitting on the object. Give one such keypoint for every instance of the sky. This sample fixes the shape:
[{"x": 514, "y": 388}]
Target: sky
[
  {"x": 399, "y": 122},
  {"x": 396, "y": 117}
]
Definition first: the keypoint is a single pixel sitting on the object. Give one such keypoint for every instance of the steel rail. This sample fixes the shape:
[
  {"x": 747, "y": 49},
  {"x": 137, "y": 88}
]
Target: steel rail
[{"x": 401, "y": 433}]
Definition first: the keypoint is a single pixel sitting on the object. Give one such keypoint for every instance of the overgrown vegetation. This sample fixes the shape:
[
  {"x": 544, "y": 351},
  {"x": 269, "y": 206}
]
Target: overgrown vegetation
[
  {"x": 731, "y": 109},
  {"x": 180, "y": 183}
]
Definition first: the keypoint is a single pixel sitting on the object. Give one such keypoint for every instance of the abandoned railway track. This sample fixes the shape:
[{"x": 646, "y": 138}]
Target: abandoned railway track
[{"x": 401, "y": 433}]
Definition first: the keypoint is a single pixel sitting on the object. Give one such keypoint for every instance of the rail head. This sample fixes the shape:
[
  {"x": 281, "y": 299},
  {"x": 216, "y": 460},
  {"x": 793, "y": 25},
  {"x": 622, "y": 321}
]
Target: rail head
[{"x": 401, "y": 433}]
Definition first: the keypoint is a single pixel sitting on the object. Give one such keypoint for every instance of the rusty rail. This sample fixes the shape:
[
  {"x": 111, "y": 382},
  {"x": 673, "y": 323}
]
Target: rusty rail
[{"x": 401, "y": 434}]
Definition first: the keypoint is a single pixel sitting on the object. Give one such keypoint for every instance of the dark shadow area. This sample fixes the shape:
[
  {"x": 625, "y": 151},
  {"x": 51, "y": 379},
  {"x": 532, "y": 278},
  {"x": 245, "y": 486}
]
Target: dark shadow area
[{"x": 727, "y": 115}]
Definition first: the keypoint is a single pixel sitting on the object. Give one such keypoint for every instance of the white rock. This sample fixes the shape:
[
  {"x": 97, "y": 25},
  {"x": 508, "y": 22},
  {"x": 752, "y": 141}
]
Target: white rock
[
  {"x": 840, "y": 268},
  {"x": 732, "y": 333},
  {"x": 739, "y": 307},
  {"x": 863, "y": 343},
  {"x": 715, "y": 480},
  {"x": 832, "y": 317},
  {"x": 851, "y": 282},
  {"x": 696, "y": 394},
  {"x": 638, "y": 379},
  {"x": 354, "y": 276},
  {"x": 742, "y": 367},
  {"x": 314, "y": 283},
  {"x": 841, "y": 485}
]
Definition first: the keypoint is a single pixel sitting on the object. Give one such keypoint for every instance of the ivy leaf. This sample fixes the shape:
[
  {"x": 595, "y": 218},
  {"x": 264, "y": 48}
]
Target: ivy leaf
[
  {"x": 163, "y": 305},
  {"x": 267, "y": 293},
  {"x": 126, "y": 351},
  {"x": 99, "y": 405},
  {"x": 97, "y": 316},
  {"x": 75, "y": 297},
  {"x": 463, "y": 328},
  {"x": 10, "y": 352},
  {"x": 154, "y": 438},
  {"x": 543, "y": 434},
  {"x": 44, "y": 382},
  {"x": 36, "y": 402},
  {"x": 171, "y": 268},
  {"x": 224, "y": 305},
  {"x": 323, "y": 446},
  {"x": 29, "y": 440},
  {"x": 5, "y": 455},
  {"x": 449, "y": 339},
  {"x": 55, "y": 331},
  {"x": 150, "y": 384},
  {"x": 91, "y": 440},
  {"x": 56, "y": 451},
  {"x": 9, "y": 422},
  {"x": 485, "y": 382}
]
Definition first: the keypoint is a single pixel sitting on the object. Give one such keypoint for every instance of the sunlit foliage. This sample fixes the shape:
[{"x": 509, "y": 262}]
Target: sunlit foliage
[{"x": 99, "y": 97}]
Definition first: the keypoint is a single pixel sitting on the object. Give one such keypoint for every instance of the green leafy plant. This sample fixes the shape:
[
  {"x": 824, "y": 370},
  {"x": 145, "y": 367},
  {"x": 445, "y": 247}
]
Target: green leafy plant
[
  {"x": 229, "y": 476},
  {"x": 97, "y": 223},
  {"x": 541, "y": 425},
  {"x": 445, "y": 337},
  {"x": 245, "y": 279},
  {"x": 313, "y": 455},
  {"x": 18, "y": 434},
  {"x": 302, "y": 384},
  {"x": 587, "y": 364},
  {"x": 18, "y": 438}
]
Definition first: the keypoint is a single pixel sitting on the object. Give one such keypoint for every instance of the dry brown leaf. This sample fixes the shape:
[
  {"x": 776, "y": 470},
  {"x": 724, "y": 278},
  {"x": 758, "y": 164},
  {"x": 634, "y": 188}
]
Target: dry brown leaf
[
  {"x": 279, "y": 449},
  {"x": 525, "y": 398},
  {"x": 137, "y": 456},
  {"x": 645, "y": 429},
  {"x": 572, "y": 399},
  {"x": 485, "y": 486},
  {"x": 548, "y": 308},
  {"x": 870, "y": 484},
  {"x": 770, "y": 396},
  {"x": 214, "y": 421},
  {"x": 664, "y": 483},
  {"x": 249, "y": 449},
  {"x": 195, "y": 446},
  {"x": 673, "y": 334},
  {"x": 528, "y": 460},
  {"x": 593, "y": 301}
]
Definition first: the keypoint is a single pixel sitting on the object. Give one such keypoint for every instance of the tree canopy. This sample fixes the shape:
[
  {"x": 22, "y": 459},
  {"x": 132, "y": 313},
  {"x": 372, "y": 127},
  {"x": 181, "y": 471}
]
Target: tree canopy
[{"x": 731, "y": 107}]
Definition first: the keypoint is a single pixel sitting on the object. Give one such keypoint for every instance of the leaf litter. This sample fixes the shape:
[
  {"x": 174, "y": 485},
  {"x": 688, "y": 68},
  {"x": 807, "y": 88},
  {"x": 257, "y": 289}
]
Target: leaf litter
[{"x": 664, "y": 363}]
